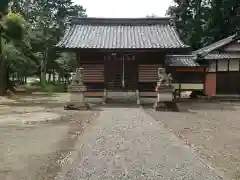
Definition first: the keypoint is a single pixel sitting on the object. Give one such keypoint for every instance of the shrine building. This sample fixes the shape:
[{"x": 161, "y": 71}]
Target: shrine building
[{"x": 124, "y": 54}]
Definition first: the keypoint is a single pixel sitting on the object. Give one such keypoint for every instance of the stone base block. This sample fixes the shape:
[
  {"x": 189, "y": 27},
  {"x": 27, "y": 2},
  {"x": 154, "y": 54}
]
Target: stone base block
[
  {"x": 160, "y": 106},
  {"x": 166, "y": 106},
  {"x": 165, "y": 96},
  {"x": 77, "y": 106}
]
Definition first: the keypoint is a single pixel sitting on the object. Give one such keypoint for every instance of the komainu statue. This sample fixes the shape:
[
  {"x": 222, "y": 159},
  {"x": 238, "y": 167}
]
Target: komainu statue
[
  {"x": 76, "y": 90},
  {"x": 164, "y": 89},
  {"x": 164, "y": 80}
]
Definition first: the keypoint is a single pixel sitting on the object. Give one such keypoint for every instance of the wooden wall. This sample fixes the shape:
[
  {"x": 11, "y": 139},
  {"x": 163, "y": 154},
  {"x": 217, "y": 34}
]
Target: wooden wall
[
  {"x": 94, "y": 66},
  {"x": 148, "y": 64},
  {"x": 93, "y": 70},
  {"x": 233, "y": 47},
  {"x": 224, "y": 65},
  {"x": 226, "y": 73}
]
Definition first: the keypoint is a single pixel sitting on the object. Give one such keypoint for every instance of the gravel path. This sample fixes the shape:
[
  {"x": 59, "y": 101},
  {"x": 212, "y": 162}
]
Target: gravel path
[{"x": 126, "y": 143}]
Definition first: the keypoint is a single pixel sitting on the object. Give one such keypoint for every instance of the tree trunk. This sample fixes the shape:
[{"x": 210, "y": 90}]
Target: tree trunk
[
  {"x": 2, "y": 71},
  {"x": 2, "y": 81},
  {"x": 18, "y": 77},
  {"x": 59, "y": 76},
  {"x": 43, "y": 75},
  {"x": 44, "y": 65},
  {"x": 9, "y": 84},
  {"x": 54, "y": 75},
  {"x": 49, "y": 76},
  {"x": 25, "y": 79}
]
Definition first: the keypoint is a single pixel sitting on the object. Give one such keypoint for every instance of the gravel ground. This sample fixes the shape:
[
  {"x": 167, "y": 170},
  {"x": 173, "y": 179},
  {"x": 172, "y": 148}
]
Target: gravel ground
[
  {"x": 211, "y": 130},
  {"x": 38, "y": 151},
  {"x": 126, "y": 143}
]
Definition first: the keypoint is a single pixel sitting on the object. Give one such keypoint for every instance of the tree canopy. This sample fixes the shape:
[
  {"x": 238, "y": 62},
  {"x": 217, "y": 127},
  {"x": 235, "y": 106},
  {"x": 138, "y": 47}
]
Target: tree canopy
[
  {"x": 202, "y": 22},
  {"x": 29, "y": 29}
]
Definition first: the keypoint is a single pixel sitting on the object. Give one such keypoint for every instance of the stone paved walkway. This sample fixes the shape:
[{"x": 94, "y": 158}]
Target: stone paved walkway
[{"x": 126, "y": 143}]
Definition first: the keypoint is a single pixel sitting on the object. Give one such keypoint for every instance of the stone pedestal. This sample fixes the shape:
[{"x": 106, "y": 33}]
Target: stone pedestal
[
  {"x": 164, "y": 90},
  {"x": 77, "y": 102},
  {"x": 76, "y": 90},
  {"x": 138, "y": 97},
  {"x": 104, "y": 99},
  {"x": 163, "y": 96}
]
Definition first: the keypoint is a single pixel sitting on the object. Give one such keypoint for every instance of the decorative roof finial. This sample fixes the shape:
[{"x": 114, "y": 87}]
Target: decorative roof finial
[{"x": 172, "y": 22}]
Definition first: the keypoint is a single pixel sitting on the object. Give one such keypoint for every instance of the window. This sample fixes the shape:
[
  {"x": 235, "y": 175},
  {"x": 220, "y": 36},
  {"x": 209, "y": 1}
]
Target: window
[
  {"x": 222, "y": 65},
  {"x": 234, "y": 65},
  {"x": 212, "y": 66}
]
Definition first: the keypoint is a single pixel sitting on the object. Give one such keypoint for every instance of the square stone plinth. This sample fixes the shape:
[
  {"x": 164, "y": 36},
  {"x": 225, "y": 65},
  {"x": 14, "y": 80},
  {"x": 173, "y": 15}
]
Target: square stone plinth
[
  {"x": 77, "y": 102},
  {"x": 164, "y": 96}
]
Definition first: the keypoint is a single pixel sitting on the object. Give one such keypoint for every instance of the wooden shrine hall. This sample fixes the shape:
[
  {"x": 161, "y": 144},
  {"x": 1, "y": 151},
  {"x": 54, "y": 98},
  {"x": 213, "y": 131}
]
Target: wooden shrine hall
[{"x": 124, "y": 54}]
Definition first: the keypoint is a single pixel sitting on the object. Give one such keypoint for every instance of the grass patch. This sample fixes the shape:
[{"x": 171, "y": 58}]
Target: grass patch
[
  {"x": 53, "y": 88},
  {"x": 49, "y": 88}
]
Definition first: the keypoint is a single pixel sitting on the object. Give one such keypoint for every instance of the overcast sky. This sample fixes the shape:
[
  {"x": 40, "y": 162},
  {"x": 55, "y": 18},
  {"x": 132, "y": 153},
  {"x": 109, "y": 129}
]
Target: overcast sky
[{"x": 124, "y": 8}]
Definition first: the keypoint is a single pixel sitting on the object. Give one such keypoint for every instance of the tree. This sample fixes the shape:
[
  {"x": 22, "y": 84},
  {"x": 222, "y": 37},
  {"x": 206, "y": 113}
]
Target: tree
[
  {"x": 47, "y": 20},
  {"x": 224, "y": 19},
  {"x": 202, "y": 22},
  {"x": 50, "y": 20},
  {"x": 190, "y": 17},
  {"x": 28, "y": 34},
  {"x": 11, "y": 30}
]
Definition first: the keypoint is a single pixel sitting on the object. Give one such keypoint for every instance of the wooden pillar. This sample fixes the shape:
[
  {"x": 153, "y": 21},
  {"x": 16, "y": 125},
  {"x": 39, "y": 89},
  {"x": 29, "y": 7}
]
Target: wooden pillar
[
  {"x": 104, "y": 100},
  {"x": 210, "y": 84}
]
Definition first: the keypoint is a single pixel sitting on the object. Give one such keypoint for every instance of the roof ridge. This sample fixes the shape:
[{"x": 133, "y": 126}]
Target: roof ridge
[
  {"x": 121, "y": 21},
  {"x": 180, "y": 55},
  {"x": 207, "y": 49}
]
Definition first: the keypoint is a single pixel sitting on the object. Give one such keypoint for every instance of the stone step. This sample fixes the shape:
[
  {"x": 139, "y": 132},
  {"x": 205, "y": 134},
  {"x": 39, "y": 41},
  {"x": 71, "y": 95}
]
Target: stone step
[{"x": 121, "y": 97}]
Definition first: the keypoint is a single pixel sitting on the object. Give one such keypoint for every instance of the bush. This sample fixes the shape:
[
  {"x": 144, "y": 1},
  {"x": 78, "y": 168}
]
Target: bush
[
  {"x": 52, "y": 88},
  {"x": 45, "y": 87}
]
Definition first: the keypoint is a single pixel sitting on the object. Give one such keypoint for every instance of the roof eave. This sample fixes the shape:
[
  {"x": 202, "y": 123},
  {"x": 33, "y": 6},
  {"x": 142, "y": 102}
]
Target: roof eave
[
  {"x": 121, "y": 49},
  {"x": 205, "y": 52},
  {"x": 132, "y": 21}
]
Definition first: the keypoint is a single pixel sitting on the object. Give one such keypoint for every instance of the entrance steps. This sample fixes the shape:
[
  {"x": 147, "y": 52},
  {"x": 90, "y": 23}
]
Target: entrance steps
[{"x": 128, "y": 97}]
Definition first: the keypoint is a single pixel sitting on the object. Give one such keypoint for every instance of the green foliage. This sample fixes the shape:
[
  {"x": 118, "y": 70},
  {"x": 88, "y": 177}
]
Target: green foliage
[
  {"x": 67, "y": 61},
  {"x": 3, "y": 7},
  {"x": 53, "y": 88},
  {"x": 201, "y": 22},
  {"x": 29, "y": 32},
  {"x": 49, "y": 88},
  {"x": 14, "y": 25}
]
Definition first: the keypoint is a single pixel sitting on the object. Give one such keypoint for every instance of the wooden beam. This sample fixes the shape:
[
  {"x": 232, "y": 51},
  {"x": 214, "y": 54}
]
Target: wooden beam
[{"x": 190, "y": 70}]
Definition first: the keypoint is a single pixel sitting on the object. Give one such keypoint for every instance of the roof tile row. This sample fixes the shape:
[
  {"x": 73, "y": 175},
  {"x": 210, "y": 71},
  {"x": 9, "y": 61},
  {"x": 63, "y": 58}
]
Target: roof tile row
[{"x": 112, "y": 34}]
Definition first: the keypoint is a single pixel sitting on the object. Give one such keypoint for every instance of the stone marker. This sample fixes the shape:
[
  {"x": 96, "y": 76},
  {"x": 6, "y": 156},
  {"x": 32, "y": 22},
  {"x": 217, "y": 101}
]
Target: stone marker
[
  {"x": 76, "y": 90},
  {"x": 164, "y": 90}
]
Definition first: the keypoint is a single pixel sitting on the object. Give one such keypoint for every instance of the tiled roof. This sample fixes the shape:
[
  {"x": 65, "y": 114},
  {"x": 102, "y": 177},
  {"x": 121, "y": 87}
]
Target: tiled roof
[
  {"x": 114, "y": 33},
  {"x": 204, "y": 51},
  {"x": 181, "y": 60},
  {"x": 222, "y": 56}
]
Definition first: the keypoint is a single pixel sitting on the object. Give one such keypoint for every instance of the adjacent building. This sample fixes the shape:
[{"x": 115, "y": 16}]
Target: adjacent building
[{"x": 223, "y": 72}]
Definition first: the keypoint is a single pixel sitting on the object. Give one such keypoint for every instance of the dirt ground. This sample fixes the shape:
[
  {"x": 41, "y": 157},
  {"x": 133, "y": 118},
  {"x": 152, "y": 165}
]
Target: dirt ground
[
  {"x": 212, "y": 130},
  {"x": 38, "y": 149}
]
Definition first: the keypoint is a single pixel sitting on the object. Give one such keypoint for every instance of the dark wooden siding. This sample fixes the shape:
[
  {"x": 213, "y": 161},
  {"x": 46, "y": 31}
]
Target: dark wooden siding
[
  {"x": 148, "y": 73},
  {"x": 228, "y": 82},
  {"x": 93, "y": 70},
  {"x": 93, "y": 73},
  {"x": 113, "y": 74},
  {"x": 188, "y": 77},
  {"x": 148, "y": 64},
  {"x": 97, "y": 76}
]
